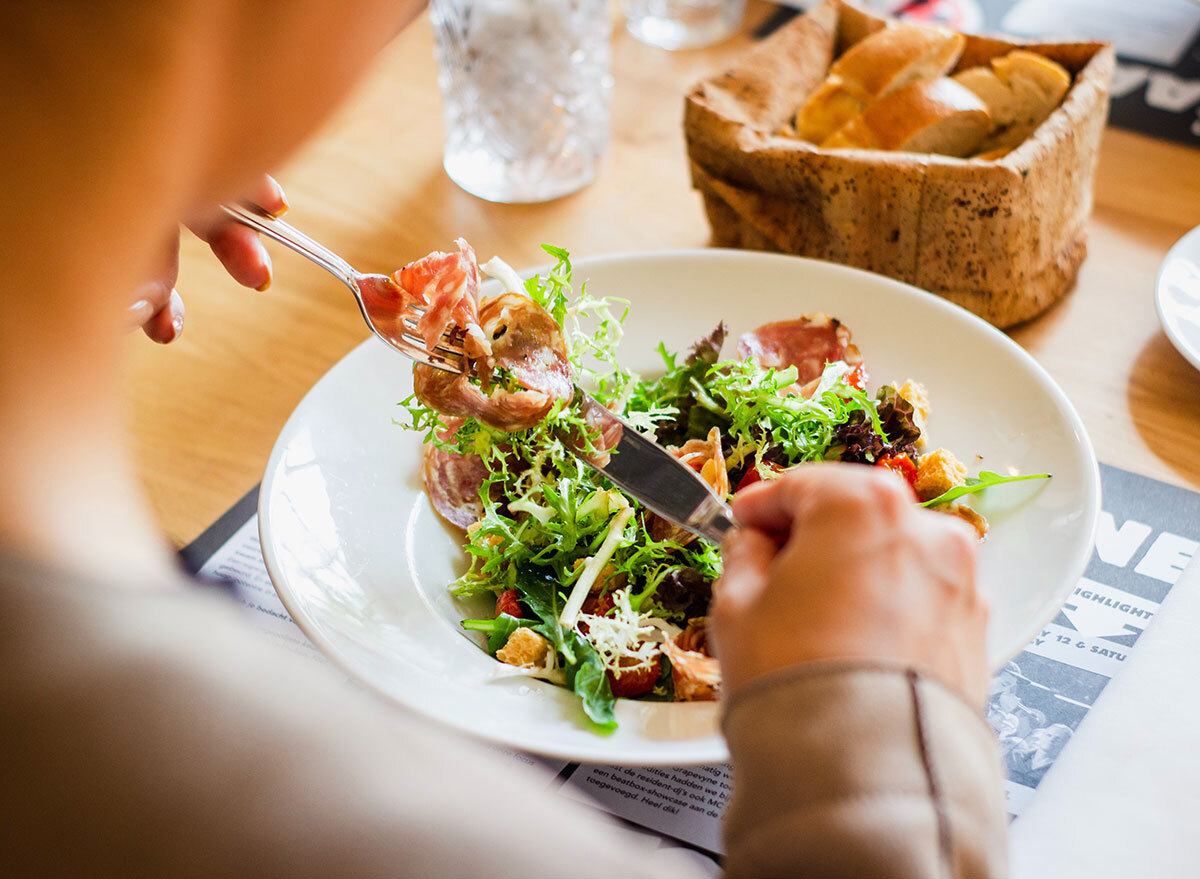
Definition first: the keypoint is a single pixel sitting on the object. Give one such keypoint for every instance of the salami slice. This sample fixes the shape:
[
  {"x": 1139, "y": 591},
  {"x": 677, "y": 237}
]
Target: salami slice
[
  {"x": 452, "y": 482},
  {"x": 807, "y": 343}
]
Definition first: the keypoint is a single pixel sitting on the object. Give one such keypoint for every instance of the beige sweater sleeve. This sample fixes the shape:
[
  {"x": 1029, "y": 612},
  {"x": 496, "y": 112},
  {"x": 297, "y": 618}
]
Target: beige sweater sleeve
[
  {"x": 863, "y": 771},
  {"x": 152, "y": 732}
]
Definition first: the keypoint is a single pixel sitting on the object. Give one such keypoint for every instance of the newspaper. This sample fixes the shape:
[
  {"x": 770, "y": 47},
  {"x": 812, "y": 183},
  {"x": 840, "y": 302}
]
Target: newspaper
[{"x": 1148, "y": 532}]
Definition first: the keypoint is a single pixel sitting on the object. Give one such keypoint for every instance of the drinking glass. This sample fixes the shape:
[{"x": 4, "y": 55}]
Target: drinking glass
[
  {"x": 683, "y": 24},
  {"x": 525, "y": 89}
]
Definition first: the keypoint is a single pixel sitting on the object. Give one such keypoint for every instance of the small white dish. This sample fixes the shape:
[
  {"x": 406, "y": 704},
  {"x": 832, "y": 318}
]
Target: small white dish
[
  {"x": 361, "y": 561},
  {"x": 1177, "y": 296}
]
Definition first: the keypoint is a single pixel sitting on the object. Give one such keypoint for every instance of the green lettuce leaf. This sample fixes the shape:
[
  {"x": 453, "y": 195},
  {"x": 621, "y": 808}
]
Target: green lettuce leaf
[
  {"x": 584, "y": 670},
  {"x": 498, "y": 631}
]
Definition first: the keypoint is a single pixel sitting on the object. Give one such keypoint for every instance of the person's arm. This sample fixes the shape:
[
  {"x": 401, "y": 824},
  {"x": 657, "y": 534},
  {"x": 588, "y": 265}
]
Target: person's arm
[
  {"x": 852, "y": 642},
  {"x": 154, "y": 732}
]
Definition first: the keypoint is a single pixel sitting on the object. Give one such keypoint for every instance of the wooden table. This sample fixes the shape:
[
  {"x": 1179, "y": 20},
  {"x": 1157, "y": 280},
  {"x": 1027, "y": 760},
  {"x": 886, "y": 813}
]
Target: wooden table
[{"x": 206, "y": 410}]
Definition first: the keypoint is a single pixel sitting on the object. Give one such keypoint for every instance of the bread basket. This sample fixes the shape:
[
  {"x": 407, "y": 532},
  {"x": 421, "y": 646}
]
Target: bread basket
[{"x": 1003, "y": 238}]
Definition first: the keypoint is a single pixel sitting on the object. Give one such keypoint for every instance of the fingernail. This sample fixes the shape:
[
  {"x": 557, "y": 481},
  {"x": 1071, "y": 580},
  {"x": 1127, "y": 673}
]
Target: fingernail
[
  {"x": 140, "y": 312},
  {"x": 281, "y": 195},
  {"x": 177, "y": 325},
  {"x": 270, "y": 270}
]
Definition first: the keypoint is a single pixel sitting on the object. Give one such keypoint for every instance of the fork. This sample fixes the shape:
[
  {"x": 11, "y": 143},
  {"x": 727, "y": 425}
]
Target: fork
[
  {"x": 377, "y": 295},
  {"x": 633, "y": 462}
]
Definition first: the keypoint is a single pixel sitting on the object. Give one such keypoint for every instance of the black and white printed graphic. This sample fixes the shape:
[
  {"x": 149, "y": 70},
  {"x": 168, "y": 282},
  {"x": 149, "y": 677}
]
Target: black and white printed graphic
[{"x": 1148, "y": 533}]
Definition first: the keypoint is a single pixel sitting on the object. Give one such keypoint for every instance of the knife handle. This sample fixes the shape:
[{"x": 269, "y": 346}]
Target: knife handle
[{"x": 711, "y": 520}]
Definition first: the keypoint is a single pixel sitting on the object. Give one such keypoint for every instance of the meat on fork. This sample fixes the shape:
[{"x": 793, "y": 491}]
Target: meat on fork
[
  {"x": 516, "y": 349},
  {"x": 446, "y": 285}
]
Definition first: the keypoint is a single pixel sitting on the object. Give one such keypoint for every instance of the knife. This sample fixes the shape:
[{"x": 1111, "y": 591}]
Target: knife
[{"x": 646, "y": 471}]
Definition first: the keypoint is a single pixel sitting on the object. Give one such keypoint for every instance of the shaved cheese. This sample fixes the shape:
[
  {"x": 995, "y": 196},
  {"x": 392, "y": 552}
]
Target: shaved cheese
[
  {"x": 593, "y": 566},
  {"x": 504, "y": 273},
  {"x": 625, "y": 639}
]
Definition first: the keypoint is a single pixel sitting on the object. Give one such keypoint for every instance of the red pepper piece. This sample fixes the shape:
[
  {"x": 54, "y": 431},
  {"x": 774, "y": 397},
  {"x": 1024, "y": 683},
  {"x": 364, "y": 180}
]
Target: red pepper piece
[{"x": 508, "y": 602}]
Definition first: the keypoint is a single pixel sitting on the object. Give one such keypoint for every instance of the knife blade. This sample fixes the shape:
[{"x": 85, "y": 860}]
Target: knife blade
[{"x": 648, "y": 472}]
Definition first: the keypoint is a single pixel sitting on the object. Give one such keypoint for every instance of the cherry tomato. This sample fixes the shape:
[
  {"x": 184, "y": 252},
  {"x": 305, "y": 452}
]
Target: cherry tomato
[
  {"x": 752, "y": 475},
  {"x": 638, "y": 682},
  {"x": 901, "y": 465}
]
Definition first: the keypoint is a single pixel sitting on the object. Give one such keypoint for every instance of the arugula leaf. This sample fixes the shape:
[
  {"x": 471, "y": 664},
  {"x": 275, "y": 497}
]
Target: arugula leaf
[
  {"x": 985, "y": 479},
  {"x": 589, "y": 679},
  {"x": 498, "y": 631},
  {"x": 584, "y": 669}
]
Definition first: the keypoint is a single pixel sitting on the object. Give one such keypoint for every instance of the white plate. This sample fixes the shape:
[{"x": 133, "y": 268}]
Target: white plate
[
  {"x": 1177, "y": 296},
  {"x": 361, "y": 561}
]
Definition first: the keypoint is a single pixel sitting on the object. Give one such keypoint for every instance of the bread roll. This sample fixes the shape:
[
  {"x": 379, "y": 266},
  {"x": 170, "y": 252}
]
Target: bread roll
[
  {"x": 1020, "y": 90},
  {"x": 881, "y": 63},
  {"x": 931, "y": 116}
]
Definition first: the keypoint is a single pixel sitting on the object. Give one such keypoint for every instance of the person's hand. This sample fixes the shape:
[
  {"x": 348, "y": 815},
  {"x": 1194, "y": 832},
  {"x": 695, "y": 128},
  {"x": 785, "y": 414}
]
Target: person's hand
[
  {"x": 836, "y": 561},
  {"x": 157, "y": 306}
]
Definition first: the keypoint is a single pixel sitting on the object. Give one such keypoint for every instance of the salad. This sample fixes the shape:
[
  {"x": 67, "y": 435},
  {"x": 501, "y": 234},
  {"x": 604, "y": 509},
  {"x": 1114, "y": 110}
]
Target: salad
[{"x": 592, "y": 591}]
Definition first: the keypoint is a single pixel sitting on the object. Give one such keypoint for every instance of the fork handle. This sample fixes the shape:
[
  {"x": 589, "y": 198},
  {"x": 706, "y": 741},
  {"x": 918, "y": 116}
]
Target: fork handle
[{"x": 288, "y": 235}]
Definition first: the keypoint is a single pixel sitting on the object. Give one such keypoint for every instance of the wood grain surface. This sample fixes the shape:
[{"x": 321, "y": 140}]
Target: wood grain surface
[{"x": 205, "y": 411}]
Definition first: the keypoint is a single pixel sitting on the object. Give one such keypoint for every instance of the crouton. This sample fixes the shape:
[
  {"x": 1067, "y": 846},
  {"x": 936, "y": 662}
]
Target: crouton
[
  {"x": 968, "y": 515},
  {"x": 918, "y": 397},
  {"x": 938, "y": 472},
  {"x": 524, "y": 647}
]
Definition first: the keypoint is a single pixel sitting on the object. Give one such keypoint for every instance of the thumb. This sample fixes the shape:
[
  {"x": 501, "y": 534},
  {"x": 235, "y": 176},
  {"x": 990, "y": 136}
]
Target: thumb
[{"x": 747, "y": 554}]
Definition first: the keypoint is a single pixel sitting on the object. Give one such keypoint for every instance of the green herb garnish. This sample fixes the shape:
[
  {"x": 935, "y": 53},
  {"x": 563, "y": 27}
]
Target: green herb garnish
[{"x": 974, "y": 484}]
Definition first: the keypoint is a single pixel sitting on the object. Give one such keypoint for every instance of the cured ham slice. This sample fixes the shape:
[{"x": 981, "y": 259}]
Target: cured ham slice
[
  {"x": 460, "y": 396},
  {"x": 807, "y": 343},
  {"x": 527, "y": 345},
  {"x": 452, "y": 481},
  {"x": 695, "y": 636},
  {"x": 696, "y": 676},
  {"x": 446, "y": 285}
]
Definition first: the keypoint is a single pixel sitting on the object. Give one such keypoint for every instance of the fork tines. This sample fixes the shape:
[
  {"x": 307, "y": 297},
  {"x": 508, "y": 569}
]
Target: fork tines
[
  {"x": 449, "y": 344},
  {"x": 447, "y": 355}
]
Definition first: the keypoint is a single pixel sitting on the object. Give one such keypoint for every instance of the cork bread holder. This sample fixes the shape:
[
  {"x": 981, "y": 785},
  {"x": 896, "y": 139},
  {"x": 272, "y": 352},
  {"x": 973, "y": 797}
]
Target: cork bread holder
[{"x": 1004, "y": 238}]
